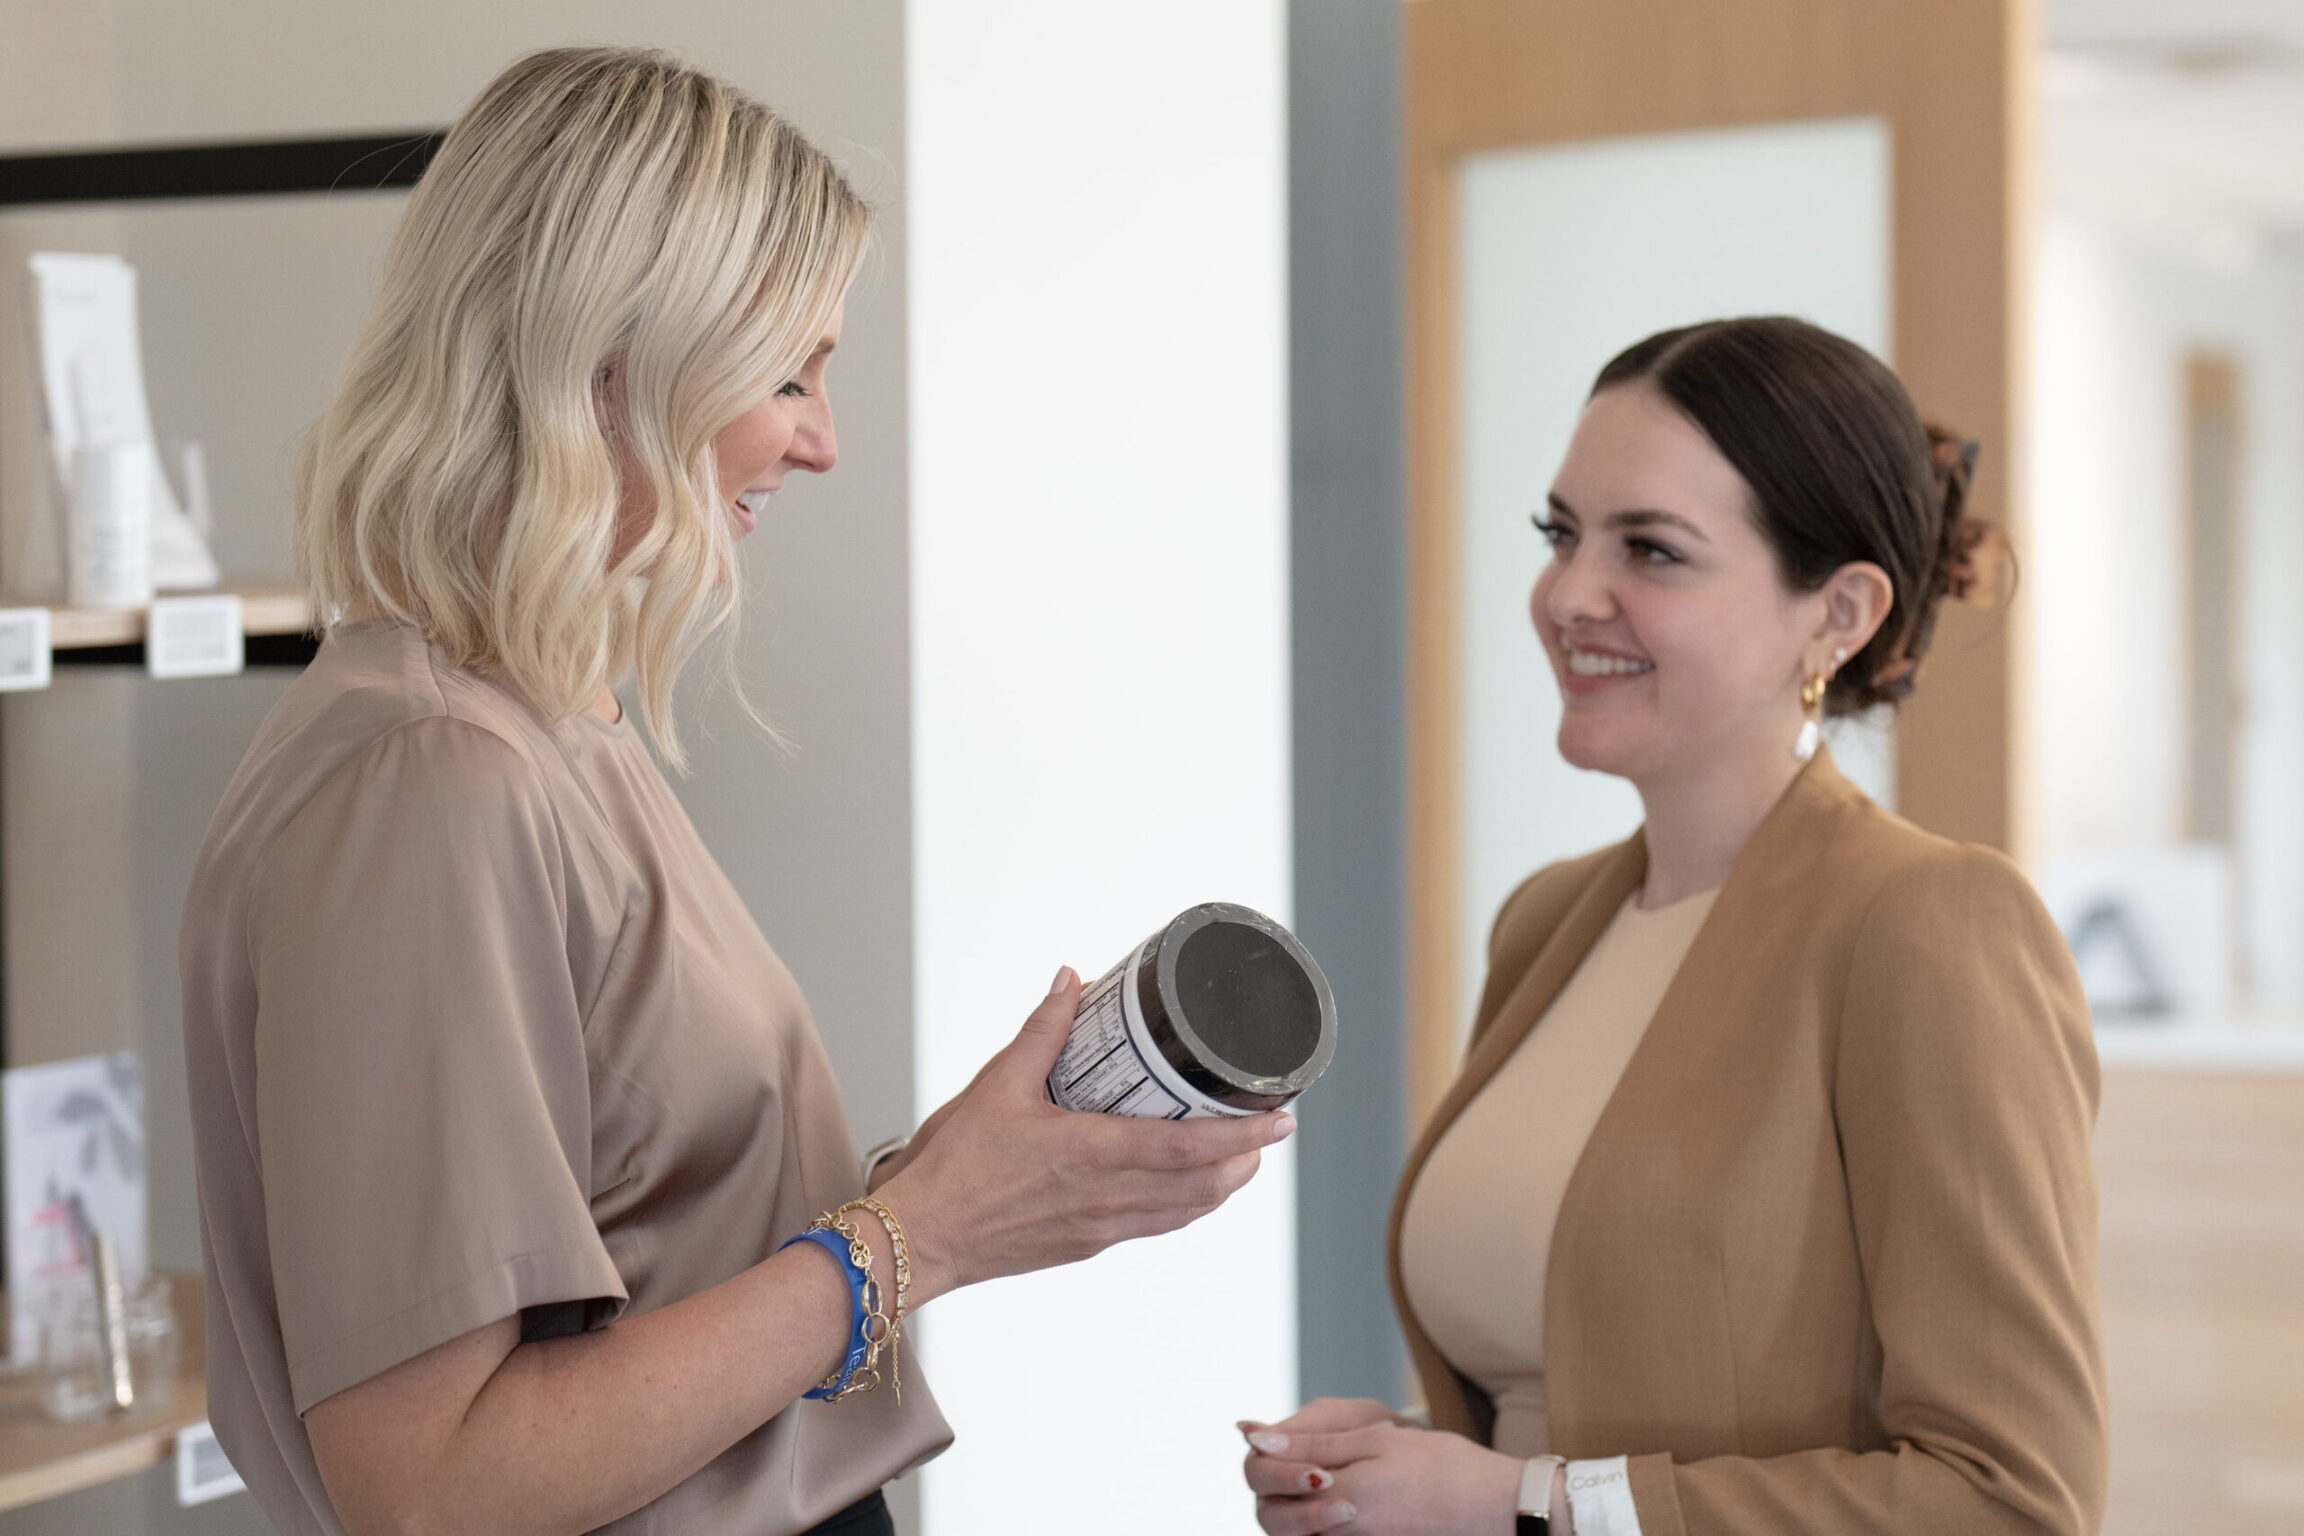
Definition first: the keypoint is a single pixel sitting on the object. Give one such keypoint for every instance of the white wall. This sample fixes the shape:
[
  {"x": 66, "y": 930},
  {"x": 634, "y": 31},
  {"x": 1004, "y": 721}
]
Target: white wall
[
  {"x": 1099, "y": 525},
  {"x": 2115, "y": 313},
  {"x": 1569, "y": 255}
]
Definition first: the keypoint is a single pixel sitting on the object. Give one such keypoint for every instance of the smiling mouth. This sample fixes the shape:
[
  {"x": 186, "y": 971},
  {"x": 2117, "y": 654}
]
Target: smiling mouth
[
  {"x": 753, "y": 503},
  {"x": 1600, "y": 664}
]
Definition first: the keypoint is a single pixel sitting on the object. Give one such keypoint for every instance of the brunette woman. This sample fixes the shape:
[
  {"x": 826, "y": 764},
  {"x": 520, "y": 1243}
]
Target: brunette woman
[{"x": 1763, "y": 1205}]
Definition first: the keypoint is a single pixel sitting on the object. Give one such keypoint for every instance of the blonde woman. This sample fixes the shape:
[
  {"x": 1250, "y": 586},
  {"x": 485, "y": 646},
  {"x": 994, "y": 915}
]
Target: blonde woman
[{"x": 505, "y": 1112}]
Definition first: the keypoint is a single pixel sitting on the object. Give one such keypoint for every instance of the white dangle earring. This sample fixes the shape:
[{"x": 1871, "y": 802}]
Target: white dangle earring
[
  {"x": 1812, "y": 711},
  {"x": 1811, "y": 728}
]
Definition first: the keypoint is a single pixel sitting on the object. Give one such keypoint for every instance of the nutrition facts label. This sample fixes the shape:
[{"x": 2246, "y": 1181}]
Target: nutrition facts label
[{"x": 1101, "y": 1070}]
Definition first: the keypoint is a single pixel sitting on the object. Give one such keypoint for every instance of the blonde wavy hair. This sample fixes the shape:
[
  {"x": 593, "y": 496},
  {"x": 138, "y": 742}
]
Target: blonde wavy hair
[{"x": 612, "y": 257}]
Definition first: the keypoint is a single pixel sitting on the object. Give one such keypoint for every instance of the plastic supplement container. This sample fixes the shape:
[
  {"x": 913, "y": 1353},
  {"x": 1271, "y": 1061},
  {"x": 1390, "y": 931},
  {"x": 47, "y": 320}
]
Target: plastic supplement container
[{"x": 1222, "y": 1012}]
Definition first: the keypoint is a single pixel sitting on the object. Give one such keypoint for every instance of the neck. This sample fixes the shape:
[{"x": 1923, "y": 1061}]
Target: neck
[{"x": 1699, "y": 822}]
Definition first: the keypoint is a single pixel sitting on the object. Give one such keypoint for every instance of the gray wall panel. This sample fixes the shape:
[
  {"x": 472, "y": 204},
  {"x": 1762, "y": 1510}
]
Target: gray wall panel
[{"x": 1344, "y": 271}]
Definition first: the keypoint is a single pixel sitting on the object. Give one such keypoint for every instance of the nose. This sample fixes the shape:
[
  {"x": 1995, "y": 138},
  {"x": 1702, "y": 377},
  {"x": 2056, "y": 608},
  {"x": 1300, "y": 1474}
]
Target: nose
[
  {"x": 1574, "y": 591},
  {"x": 815, "y": 445}
]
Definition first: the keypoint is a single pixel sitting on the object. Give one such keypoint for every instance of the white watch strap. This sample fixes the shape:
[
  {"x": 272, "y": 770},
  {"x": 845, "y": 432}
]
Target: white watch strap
[
  {"x": 1536, "y": 1484},
  {"x": 1600, "y": 1498}
]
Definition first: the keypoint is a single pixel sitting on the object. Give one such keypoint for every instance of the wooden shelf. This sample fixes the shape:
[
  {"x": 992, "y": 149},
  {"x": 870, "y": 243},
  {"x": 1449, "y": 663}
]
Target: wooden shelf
[
  {"x": 40, "y": 1458},
  {"x": 273, "y": 608}
]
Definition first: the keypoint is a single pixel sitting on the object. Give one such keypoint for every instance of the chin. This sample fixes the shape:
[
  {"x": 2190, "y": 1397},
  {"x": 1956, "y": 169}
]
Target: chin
[
  {"x": 1588, "y": 749},
  {"x": 1595, "y": 750}
]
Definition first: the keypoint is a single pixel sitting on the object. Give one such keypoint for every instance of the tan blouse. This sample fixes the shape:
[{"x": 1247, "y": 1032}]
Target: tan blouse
[
  {"x": 1477, "y": 1231},
  {"x": 476, "y": 1028}
]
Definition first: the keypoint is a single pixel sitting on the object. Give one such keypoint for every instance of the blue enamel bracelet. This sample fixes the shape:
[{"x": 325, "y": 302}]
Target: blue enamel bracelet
[{"x": 837, "y": 1246}]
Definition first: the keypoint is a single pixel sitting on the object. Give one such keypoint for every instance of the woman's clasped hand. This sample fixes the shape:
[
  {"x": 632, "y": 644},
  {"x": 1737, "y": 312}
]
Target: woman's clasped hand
[
  {"x": 1000, "y": 1181},
  {"x": 1353, "y": 1465}
]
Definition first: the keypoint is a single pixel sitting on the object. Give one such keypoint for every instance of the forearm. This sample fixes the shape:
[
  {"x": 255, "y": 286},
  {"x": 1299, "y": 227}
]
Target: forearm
[
  {"x": 572, "y": 1433},
  {"x": 565, "y": 1435}
]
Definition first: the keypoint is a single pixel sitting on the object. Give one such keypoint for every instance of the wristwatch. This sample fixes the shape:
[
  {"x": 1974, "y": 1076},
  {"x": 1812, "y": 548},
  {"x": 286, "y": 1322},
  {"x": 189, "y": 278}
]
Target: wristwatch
[{"x": 1533, "y": 1513}]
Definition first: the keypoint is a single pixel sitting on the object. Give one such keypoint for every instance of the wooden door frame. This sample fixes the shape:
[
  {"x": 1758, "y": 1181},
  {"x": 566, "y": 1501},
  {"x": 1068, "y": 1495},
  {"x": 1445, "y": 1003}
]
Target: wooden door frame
[{"x": 1952, "y": 80}]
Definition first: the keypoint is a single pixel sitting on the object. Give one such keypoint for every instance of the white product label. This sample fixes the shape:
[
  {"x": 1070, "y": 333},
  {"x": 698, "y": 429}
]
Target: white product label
[
  {"x": 1111, "y": 1066},
  {"x": 203, "y": 1471},
  {"x": 194, "y": 637},
  {"x": 1101, "y": 1070},
  {"x": 25, "y": 658}
]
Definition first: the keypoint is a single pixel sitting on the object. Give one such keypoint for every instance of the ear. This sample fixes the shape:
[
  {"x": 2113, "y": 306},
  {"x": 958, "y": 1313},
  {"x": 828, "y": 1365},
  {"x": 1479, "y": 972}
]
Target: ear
[{"x": 1856, "y": 601}]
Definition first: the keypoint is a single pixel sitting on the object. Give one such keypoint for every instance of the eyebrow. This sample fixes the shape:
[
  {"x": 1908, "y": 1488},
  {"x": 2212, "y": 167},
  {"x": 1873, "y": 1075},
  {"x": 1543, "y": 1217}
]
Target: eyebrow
[
  {"x": 1635, "y": 517},
  {"x": 824, "y": 348}
]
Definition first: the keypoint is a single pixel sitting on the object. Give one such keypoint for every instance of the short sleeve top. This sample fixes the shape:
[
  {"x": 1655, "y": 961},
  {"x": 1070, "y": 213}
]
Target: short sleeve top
[{"x": 475, "y": 1027}]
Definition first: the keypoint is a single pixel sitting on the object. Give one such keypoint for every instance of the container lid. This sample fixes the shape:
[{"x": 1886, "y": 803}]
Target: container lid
[{"x": 1246, "y": 1002}]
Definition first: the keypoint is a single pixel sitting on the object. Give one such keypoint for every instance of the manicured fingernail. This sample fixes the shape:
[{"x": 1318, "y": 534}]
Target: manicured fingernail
[
  {"x": 1269, "y": 1442},
  {"x": 1318, "y": 1481},
  {"x": 1346, "y": 1513},
  {"x": 1284, "y": 1127},
  {"x": 1063, "y": 978}
]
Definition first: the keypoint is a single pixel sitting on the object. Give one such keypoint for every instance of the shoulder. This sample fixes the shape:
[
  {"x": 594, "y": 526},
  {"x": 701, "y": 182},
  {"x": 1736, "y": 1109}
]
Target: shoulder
[
  {"x": 446, "y": 759},
  {"x": 422, "y": 798},
  {"x": 1915, "y": 906},
  {"x": 378, "y": 743},
  {"x": 390, "y": 682},
  {"x": 1537, "y": 905},
  {"x": 1907, "y": 888},
  {"x": 1954, "y": 967},
  {"x": 378, "y": 704},
  {"x": 1832, "y": 859}
]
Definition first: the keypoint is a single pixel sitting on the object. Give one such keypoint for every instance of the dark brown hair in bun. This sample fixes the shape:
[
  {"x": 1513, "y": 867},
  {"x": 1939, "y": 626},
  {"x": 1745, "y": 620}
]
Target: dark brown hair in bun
[{"x": 1841, "y": 468}]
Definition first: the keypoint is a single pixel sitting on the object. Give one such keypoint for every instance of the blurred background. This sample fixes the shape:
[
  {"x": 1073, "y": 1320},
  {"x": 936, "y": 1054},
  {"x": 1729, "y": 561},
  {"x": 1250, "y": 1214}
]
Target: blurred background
[{"x": 1210, "y": 359}]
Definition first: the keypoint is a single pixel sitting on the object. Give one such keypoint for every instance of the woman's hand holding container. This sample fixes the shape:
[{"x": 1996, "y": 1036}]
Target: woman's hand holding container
[{"x": 1000, "y": 1181}]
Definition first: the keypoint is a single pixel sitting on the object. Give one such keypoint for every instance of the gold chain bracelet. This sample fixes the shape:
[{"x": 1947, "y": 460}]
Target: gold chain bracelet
[{"x": 903, "y": 1255}]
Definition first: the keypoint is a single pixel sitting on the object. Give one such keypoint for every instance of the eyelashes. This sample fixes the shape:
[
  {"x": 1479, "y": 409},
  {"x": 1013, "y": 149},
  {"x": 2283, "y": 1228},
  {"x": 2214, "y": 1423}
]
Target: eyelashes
[{"x": 1643, "y": 550}]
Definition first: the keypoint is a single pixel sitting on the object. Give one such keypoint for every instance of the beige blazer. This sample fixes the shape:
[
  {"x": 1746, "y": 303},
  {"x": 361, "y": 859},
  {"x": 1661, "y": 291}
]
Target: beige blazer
[{"x": 1827, "y": 1265}]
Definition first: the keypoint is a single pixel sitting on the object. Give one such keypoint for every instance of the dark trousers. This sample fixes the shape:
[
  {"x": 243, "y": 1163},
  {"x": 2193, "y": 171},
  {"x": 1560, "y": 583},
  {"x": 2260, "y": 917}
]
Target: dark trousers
[{"x": 868, "y": 1516}]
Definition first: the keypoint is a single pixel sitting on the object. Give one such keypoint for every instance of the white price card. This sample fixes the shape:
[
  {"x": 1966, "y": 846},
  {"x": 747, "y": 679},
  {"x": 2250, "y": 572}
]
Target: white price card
[
  {"x": 26, "y": 660},
  {"x": 203, "y": 1471},
  {"x": 194, "y": 637}
]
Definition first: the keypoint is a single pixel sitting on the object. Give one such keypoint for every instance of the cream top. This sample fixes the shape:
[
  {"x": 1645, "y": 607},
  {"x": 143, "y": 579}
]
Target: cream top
[{"x": 1477, "y": 1233}]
